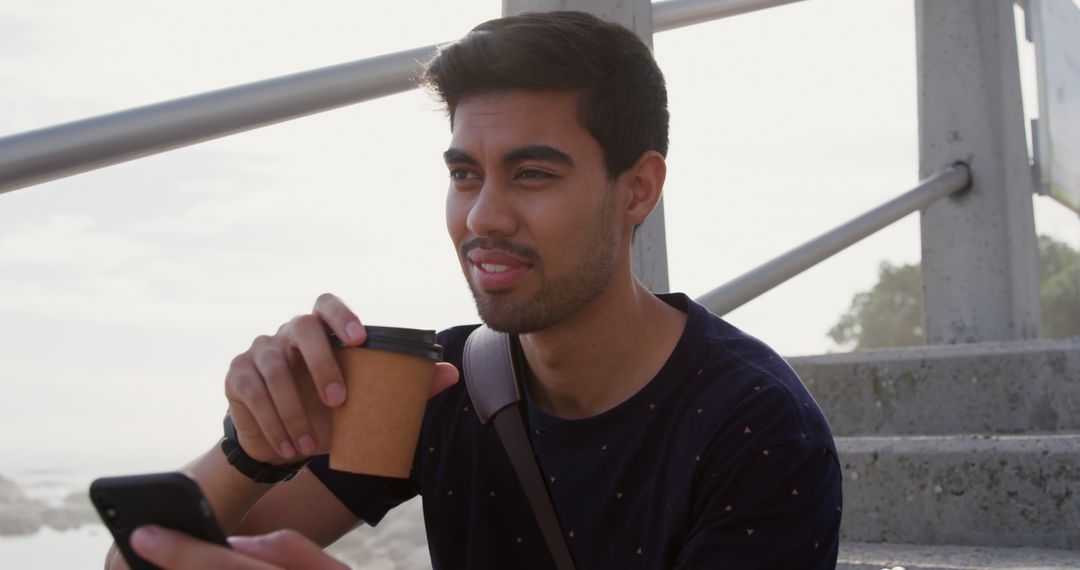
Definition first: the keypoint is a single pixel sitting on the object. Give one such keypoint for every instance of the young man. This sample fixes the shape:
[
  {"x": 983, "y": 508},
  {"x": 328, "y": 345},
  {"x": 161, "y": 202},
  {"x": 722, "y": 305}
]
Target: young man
[{"x": 668, "y": 437}]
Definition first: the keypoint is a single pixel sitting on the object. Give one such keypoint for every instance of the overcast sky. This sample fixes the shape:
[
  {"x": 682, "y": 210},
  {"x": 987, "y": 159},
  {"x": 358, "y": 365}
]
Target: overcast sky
[{"x": 125, "y": 292}]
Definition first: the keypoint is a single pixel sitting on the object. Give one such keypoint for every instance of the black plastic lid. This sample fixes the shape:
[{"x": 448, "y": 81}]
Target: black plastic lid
[{"x": 414, "y": 342}]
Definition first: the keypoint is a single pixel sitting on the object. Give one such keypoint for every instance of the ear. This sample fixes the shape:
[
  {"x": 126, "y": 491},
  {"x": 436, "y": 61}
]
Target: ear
[{"x": 645, "y": 180}]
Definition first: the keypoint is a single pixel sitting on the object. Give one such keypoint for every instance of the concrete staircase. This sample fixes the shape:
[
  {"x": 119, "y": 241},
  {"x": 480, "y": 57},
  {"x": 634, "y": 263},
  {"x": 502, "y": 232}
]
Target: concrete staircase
[{"x": 956, "y": 457}]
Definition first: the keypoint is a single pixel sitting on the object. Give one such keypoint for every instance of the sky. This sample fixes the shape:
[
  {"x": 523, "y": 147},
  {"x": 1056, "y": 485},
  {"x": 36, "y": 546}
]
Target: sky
[{"x": 125, "y": 292}]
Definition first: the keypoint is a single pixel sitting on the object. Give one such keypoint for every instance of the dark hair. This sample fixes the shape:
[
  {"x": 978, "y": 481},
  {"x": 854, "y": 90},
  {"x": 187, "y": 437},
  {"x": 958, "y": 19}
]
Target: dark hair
[{"x": 623, "y": 101}]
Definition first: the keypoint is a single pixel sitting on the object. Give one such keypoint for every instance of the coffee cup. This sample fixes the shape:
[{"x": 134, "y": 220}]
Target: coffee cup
[{"x": 388, "y": 380}]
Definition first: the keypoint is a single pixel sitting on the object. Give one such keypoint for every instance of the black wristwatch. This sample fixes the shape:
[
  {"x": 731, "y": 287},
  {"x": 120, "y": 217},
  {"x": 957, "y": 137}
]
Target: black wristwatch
[{"x": 253, "y": 469}]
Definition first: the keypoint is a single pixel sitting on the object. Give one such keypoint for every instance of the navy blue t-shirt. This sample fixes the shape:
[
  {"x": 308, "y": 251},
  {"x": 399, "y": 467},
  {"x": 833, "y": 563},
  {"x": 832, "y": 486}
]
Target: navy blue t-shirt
[{"x": 722, "y": 461}]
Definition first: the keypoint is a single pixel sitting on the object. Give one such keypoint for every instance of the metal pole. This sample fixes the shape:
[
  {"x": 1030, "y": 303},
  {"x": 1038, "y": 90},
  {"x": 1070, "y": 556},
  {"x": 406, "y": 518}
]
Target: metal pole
[
  {"x": 649, "y": 250},
  {"x": 63, "y": 150},
  {"x": 748, "y": 286},
  {"x": 54, "y": 152},
  {"x": 979, "y": 253},
  {"x": 679, "y": 13}
]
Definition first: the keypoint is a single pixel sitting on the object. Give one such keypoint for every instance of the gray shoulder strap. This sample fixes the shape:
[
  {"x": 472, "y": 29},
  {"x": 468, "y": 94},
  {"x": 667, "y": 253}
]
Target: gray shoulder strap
[
  {"x": 493, "y": 388},
  {"x": 489, "y": 372}
]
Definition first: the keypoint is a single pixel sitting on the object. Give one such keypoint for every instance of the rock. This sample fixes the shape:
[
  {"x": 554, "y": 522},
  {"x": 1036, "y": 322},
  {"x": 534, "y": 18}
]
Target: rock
[{"x": 19, "y": 515}]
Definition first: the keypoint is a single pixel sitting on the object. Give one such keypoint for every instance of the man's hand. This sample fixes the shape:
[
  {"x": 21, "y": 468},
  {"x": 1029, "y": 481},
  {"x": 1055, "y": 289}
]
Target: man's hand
[
  {"x": 282, "y": 389},
  {"x": 279, "y": 550}
]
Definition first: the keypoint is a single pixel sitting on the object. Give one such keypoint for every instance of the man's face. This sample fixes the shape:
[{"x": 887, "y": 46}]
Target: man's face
[{"x": 530, "y": 209}]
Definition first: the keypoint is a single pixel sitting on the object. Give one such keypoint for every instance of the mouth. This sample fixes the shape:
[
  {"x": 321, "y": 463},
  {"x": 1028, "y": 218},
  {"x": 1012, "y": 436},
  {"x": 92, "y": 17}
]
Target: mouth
[
  {"x": 494, "y": 267},
  {"x": 496, "y": 270}
]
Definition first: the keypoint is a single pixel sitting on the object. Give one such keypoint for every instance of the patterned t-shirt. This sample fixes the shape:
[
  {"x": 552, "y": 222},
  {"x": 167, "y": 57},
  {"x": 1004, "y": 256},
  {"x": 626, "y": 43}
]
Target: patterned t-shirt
[{"x": 722, "y": 461}]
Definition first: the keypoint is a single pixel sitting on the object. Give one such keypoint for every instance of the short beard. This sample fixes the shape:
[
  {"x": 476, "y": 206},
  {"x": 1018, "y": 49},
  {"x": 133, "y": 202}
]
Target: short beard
[{"x": 563, "y": 295}]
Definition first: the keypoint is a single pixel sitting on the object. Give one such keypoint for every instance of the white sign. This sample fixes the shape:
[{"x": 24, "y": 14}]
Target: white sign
[{"x": 1054, "y": 28}]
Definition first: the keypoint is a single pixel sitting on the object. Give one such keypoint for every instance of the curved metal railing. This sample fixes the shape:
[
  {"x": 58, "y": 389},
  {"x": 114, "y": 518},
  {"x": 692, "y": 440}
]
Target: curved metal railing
[
  {"x": 747, "y": 286},
  {"x": 63, "y": 150}
]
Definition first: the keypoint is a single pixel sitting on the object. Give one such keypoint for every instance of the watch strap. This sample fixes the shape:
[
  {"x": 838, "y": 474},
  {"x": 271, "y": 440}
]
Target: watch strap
[{"x": 251, "y": 468}]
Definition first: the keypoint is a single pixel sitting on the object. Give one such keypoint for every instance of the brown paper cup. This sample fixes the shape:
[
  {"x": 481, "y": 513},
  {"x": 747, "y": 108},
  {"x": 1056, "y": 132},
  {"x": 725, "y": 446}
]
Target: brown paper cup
[{"x": 377, "y": 428}]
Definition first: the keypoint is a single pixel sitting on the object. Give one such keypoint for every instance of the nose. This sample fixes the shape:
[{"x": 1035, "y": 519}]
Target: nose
[{"x": 492, "y": 213}]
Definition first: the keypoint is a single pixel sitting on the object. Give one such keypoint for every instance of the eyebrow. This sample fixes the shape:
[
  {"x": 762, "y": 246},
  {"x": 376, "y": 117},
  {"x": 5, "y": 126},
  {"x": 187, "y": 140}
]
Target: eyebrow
[{"x": 540, "y": 152}]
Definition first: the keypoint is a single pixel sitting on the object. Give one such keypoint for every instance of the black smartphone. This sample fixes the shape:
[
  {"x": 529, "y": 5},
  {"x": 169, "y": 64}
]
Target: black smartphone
[{"x": 169, "y": 500}]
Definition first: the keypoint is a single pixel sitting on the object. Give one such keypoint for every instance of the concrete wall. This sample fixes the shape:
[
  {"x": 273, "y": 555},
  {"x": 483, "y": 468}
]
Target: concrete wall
[
  {"x": 973, "y": 445},
  {"x": 998, "y": 387}
]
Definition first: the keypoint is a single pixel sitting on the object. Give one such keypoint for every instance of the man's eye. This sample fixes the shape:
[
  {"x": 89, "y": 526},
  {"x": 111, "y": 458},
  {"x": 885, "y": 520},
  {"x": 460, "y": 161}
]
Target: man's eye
[
  {"x": 531, "y": 174},
  {"x": 462, "y": 174}
]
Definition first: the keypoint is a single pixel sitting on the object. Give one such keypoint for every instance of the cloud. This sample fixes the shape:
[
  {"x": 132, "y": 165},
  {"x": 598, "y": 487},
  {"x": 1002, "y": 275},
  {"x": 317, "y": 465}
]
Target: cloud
[{"x": 72, "y": 241}]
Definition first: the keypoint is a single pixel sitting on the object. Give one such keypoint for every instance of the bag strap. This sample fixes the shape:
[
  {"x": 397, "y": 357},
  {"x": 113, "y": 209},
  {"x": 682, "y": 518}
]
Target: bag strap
[{"x": 494, "y": 387}]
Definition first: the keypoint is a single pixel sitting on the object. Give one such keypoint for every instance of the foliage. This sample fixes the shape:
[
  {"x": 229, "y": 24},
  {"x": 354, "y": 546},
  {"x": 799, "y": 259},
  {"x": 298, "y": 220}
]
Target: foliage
[
  {"x": 1059, "y": 274},
  {"x": 890, "y": 314}
]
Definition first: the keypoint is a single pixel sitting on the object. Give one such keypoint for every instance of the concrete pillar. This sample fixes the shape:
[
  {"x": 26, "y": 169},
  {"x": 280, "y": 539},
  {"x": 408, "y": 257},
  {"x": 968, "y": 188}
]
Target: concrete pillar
[
  {"x": 649, "y": 253},
  {"x": 979, "y": 250}
]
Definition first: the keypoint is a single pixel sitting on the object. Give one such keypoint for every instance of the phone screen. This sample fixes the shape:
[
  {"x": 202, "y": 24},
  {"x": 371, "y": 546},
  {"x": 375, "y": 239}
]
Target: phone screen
[{"x": 171, "y": 500}]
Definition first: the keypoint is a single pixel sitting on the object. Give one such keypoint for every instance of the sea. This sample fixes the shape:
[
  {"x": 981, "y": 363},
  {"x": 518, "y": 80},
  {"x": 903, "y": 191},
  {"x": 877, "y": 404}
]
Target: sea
[{"x": 47, "y": 522}]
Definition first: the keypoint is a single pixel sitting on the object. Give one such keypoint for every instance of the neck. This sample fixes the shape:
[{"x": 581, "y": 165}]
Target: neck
[{"x": 604, "y": 353}]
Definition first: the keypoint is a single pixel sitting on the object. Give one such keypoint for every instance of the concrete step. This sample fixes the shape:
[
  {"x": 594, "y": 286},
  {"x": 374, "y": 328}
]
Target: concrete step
[
  {"x": 865, "y": 556},
  {"x": 972, "y": 490},
  {"x": 1000, "y": 387}
]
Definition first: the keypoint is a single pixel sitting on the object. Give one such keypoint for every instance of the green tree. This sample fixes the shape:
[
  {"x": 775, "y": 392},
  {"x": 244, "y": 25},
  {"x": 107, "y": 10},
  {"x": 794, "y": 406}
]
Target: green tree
[
  {"x": 890, "y": 314},
  {"x": 1059, "y": 274}
]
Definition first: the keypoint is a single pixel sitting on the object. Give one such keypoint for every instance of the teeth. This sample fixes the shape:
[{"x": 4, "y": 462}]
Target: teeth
[{"x": 494, "y": 267}]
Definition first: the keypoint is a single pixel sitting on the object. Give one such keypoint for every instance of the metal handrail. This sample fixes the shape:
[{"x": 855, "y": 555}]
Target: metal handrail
[
  {"x": 55, "y": 152},
  {"x": 63, "y": 150},
  {"x": 679, "y": 13},
  {"x": 750, "y": 285}
]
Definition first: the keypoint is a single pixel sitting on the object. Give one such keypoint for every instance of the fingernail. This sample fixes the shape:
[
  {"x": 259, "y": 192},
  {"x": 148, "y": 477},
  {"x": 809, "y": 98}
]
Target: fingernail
[
  {"x": 334, "y": 394},
  {"x": 239, "y": 541},
  {"x": 287, "y": 450},
  {"x": 307, "y": 445},
  {"x": 354, "y": 331},
  {"x": 146, "y": 538}
]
